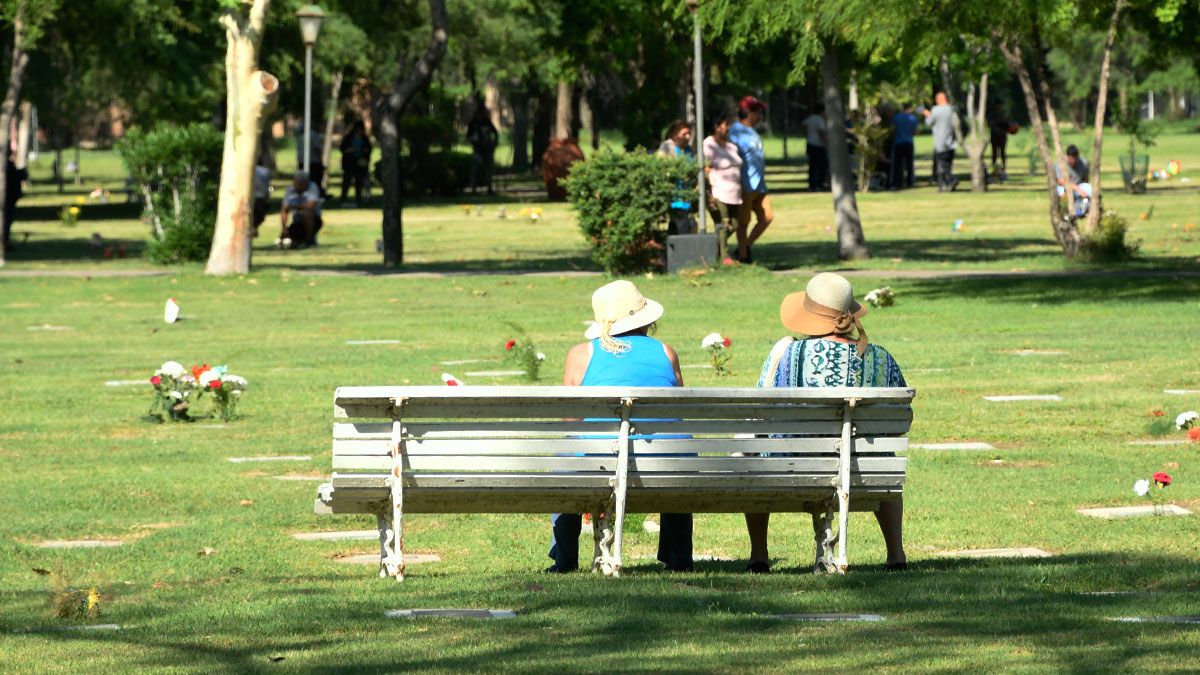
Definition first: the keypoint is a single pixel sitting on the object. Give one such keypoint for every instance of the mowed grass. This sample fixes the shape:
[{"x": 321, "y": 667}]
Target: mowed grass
[
  {"x": 82, "y": 463},
  {"x": 1005, "y": 229}
]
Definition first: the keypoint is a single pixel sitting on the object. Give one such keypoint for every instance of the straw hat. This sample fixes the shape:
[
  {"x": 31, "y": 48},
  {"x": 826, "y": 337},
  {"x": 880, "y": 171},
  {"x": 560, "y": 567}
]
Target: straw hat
[
  {"x": 825, "y": 307},
  {"x": 620, "y": 308}
]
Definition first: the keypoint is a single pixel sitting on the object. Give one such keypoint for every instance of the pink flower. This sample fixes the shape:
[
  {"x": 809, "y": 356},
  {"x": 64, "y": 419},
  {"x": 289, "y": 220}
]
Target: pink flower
[
  {"x": 727, "y": 342},
  {"x": 156, "y": 380}
]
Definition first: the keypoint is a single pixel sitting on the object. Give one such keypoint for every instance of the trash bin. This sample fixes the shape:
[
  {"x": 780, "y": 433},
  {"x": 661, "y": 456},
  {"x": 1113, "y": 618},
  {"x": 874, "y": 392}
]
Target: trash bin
[{"x": 1133, "y": 171}]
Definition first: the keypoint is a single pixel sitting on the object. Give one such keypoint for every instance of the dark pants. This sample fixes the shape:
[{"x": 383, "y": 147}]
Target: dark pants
[
  {"x": 943, "y": 169},
  {"x": 681, "y": 222},
  {"x": 902, "y": 165},
  {"x": 481, "y": 168},
  {"x": 304, "y": 228},
  {"x": 356, "y": 175},
  {"x": 10, "y": 210},
  {"x": 1000, "y": 149},
  {"x": 818, "y": 167},
  {"x": 316, "y": 173},
  {"x": 674, "y": 541}
]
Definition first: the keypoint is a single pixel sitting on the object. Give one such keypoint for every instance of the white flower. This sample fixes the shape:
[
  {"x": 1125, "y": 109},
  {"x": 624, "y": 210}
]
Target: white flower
[
  {"x": 541, "y": 356},
  {"x": 1141, "y": 487},
  {"x": 880, "y": 297},
  {"x": 235, "y": 392},
  {"x": 176, "y": 395},
  {"x": 172, "y": 369},
  {"x": 237, "y": 382},
  {"x": 712, "y": 340},
  {"x": 1186, "y": 419},
  {"x": 208, "y": 376},
  {"x": 450, "y": 380}
]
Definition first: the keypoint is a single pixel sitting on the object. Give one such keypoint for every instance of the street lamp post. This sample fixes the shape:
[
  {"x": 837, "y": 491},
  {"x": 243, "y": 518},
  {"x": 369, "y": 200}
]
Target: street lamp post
[
  {"x": 698, "y": 132},
  {"x": 310, "y": 18}
]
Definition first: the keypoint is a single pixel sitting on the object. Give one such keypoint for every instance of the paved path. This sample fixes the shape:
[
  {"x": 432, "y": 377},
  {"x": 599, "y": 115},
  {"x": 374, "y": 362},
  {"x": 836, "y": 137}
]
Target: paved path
[{"x": 875, "y": 274}]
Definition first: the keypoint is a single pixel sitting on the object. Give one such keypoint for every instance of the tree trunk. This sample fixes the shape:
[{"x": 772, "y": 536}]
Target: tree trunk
[
  {"x": 24, "y": 131},
  {"x": 391, "y": 105},
  {"x": 520, "y": 128},
  {"x": 331, "y": 109},
  {"x": 1060, "y": 157},
  {"x": 249, "y": 95},
  {"x": 543, "y": 125},
  {"x": 1093, "y": 216},
  {"x": 564, "y": 118},
  {"x": 16, "y": 77},
  {"x": 1065, "y": 232},
  {"x": 852, "y": 245},
  {"x": 977, "y": 140}
]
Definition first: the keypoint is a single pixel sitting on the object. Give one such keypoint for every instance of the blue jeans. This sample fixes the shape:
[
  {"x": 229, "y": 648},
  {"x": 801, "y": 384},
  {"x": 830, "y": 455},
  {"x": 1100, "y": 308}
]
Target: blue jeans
[{"x": 674, "y": 541}]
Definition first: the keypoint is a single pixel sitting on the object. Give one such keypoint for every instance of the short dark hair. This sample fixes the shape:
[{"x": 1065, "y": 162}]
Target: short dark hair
[
  {"x": 1072, "y": 150},
  {"x": 743, "y": 113},
  {"x": 716, "y": 119},
  {"x": 820, "y": 109},
  {"x": 676, "y": 126}
]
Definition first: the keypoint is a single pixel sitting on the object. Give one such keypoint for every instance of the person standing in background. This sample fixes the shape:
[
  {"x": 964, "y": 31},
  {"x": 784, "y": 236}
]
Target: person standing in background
[
  {"x": 998, "y": 124},
  {"x": 818, "y": 154},
  {"x": 723, "y": 169},
  {"x": 755, "y": 200},
  {"x": 679, "y": 144},
  {"x": 14, "y": 187},
  {"x": 483, "y": 137},
  {"x": 940, "y": 120},
  {"x": 905, "y": 125},
  {"x": 356, "y": 162}
]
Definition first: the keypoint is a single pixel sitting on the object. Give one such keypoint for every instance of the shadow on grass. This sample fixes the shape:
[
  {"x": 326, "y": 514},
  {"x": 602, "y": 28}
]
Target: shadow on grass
[
  {"x": 943, "y": 612},
  {"x": 1057, "y": 290},
  {"x": 70, "y": 249},
  {"x": 1016, "y": 250}
]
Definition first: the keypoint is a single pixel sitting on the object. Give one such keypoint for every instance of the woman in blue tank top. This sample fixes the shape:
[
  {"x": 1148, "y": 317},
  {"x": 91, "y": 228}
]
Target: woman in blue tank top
[{"x": 620, "y": 353}]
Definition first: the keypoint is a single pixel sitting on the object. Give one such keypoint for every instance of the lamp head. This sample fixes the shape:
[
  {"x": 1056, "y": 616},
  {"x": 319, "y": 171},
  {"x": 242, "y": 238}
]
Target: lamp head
[{"x": 310, "y": 17}]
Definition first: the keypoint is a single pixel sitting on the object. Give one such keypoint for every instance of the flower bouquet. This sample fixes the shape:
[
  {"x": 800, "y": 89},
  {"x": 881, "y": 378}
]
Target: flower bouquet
[
  {"x": 1142, "y": 489},
  {"x": 1190, "y": 422},
  {"x": 718, "y": 352},
  {"x": 881, "y": 297},
  {"x": 521, "y": 352},
  {"x": 177, "y": 391}
]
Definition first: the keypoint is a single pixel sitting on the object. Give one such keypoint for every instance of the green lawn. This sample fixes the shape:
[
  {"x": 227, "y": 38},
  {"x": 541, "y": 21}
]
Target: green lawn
[{"x": 85, "y": 465}]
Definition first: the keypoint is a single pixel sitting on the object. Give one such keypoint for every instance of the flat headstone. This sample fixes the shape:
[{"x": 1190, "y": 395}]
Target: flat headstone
[
  {"x": 1156, "y": 619},
  {"x": 495, "y": 373},
  {"x": 1181, "y": 392},
  {"x": 126, "y": 383},
  {"x": 1023, "y": 397},
  {"x": 48, "y": 327},
  {"x": 373, "y": 559},
  {"x": 697, "y": 366},
  {"x": 210, "y": 426},
  {"x": 81, "y": 543},
  {"x": 301, "y": 478},
  {"x": 460, "y": 362},
  {"x": 996, "y": 553},
  {"x": 1161, "y": 441},
  {"x": 273, "y": 458},
  {"x": 451, "y": 613},
  {"x": 1106, "y": 594},
  {"x": 93, "y": 626},
  {"x": 826, "y": 617},
  {"x": 1036, "y": 352},
  {"x": 372, "y": 342},
  {"x": 335, "y": 536},
  {"x": 1134, "y": 511},
  {"x": 968, "y": 445}
]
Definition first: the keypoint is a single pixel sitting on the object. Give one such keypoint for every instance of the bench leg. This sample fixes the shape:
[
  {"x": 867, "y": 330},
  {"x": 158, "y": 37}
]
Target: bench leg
[
  {"x": 601, "y": 546},
  {"x": 391, "y": 546},
  {"x": 823, "y": 531}
]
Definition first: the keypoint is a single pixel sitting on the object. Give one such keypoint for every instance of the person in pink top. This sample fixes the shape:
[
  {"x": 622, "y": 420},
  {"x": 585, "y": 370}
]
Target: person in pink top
[{"x": 723, "y": 169}]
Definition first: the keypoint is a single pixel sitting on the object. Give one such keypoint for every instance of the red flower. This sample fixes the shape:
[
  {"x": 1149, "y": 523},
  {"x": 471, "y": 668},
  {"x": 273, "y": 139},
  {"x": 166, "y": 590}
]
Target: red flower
[
  {"x": 156, "y": 380},
  {"x": 727, "y": 342},
  {"x": 451, "y": 383},
  {"x": 1157, "y": 413},
  {"x": 215, "y": 384},
  {"x": 1163, "y": 479},
  {"x": 1194, "y": 434},
  {"x": 510, "y": 344}
]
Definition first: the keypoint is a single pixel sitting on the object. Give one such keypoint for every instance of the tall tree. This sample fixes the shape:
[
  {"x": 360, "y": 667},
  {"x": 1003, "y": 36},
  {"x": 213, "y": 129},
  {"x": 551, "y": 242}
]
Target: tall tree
[
  {"x": 1093, "y": 216},
  {"x": 249, "y": 92},
  {"x": 26, "y": 18},
  {"x": 409, "y": 80},
  {"x": 852, "y": 245}
]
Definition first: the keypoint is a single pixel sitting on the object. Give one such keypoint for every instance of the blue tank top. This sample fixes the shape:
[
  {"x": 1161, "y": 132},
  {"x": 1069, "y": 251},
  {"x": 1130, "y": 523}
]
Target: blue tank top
[{"x": 644, "y": 365}]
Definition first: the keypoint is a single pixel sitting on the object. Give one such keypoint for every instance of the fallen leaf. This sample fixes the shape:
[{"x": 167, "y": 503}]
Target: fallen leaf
[
  {"x": 41, "y": 571},
  {"x": 1171, "y": 465},
  {"x": 276, "y": 659},
  {"x": 158, "y": 585},
  {"x": 206, "y": 551},
  {"x": 247, "y": 502}
]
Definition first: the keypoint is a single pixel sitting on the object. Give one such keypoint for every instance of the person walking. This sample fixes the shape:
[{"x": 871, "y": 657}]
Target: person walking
[
  {"x": 620, "y": 353},
  {"x": 818, "y": 153},
  {"x": 483, "y": 137},
  {"x": 999, "y": 126},
  {"x": 679, "y": 144},
  {"x": 356, "y": 162},
  {"x": 940, "y": 119},
  {"x": 723, "y": 169},
  {"x": 904, "y": 125},
  {"x": 755, "y": 200}
]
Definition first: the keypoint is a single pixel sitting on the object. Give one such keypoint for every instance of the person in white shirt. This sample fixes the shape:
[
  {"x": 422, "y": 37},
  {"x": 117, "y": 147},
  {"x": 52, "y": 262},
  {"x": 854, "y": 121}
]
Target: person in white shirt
[
  {"x": 723, "y": 169},
  {"x": 302, "y": 202},
  {"x": 818, "y": 154}
]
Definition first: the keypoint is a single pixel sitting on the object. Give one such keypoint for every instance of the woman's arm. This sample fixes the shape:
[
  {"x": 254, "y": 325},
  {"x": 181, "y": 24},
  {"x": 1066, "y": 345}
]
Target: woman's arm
[
  {"x": 674, "y": 359},
  {"x": 577, "y": 363}
]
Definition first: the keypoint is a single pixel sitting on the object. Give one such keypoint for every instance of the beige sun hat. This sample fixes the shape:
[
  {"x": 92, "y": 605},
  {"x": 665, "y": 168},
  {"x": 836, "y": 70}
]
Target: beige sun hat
[
  {"x": 620, "y": 308},
  {"x": 825, "y": 307}
]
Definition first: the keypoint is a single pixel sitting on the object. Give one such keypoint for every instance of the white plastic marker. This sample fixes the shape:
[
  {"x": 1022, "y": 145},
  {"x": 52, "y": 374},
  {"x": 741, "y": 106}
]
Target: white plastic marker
[
  {"x": 451, "y": 381},
  {"x": 171, "y": 311}
]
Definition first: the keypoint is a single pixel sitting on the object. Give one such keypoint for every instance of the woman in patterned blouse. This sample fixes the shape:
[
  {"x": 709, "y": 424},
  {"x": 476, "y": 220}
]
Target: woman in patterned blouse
[{"x": 835, "y": 354}]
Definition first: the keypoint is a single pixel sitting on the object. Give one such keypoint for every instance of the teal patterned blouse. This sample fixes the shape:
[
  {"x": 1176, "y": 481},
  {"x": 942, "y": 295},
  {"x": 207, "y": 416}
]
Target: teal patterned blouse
[{"x": 817, "y": 362}]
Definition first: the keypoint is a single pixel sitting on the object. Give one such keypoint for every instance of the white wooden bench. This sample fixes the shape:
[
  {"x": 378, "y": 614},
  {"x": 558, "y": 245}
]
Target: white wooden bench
[{"x": 400, "y": 450}]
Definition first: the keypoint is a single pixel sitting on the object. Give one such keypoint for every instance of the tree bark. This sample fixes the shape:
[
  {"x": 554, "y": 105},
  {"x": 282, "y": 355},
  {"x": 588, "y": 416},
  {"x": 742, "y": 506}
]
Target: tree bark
[
  {"x": 520, "y": 128},
  {"x": 24, "y": 130},
  {"x": 331, "y": 109},
  {"x": 16, "y": 78},
  {"x": 1065, "y": 232},
  {"x": 977, "y": 139},
  {"x": 249, "y": 95},
  {"x": 563, "y": 117},
  {"x": 391, "y": 105},
  {"x": 852, "y": 245},
  {"x": 1060, "y": 157},
  {"x": 1093, "y": 216}
]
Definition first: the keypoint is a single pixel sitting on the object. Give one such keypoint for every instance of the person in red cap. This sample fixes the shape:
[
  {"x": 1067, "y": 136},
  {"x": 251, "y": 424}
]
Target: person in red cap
[{"x": 754, "y": 180}]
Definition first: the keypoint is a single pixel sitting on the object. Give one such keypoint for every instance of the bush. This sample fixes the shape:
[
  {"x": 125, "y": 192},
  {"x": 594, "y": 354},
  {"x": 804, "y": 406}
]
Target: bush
[
  {"x": 176, "y": 171},
  {"x": 1108, "y": 243},
  {"x": 621, "y": 198}
]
